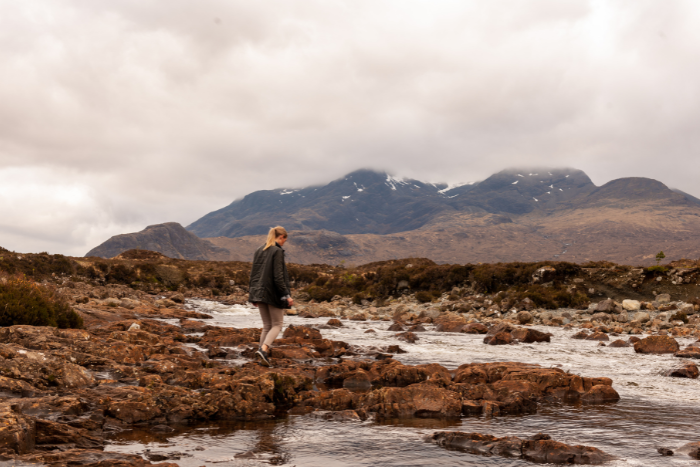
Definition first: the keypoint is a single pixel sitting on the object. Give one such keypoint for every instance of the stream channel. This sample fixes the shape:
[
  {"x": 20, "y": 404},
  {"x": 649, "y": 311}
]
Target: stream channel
[{"x": 654, "y": 410}]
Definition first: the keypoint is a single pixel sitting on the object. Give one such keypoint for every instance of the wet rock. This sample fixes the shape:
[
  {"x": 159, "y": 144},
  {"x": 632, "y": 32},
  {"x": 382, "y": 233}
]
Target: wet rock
[
  {"x": 339, "y": 416},
  {"x": 191, "y": 326},
  {"x": 475, "y": 328},
  {"x": 396, "y": 327},
  {"x": 664, "y": 451},
  {"x": 691, "y": 449},
  {"x": 529, "y": 336},
  {"x": 54, "y": 433},
  {"x": 580, "y": 335},
  {"x": 502, "y": 338},
  {"x": 407, "y": 337},
  {"x": 17, "y": 432},
  {"x": 452, "y": 326},
  {"x": 357, "y": 380},
  {"x": 598, "y": 336},
  {"x": 502, "y": 327},
  {"x": 600, "y": 393},
  {"x": 619, "y": 343},
  {"x": 370, "y": 331},
  {"x": 689, "y": 370},
  {"x": 230, "y": 337},
  {"x": 416, "y": 400},
  {"x": 89, "y": 457},
  {"x": 541, "y": 449},
  {"x": 634, "y": 339},
  {"x": 554, "y": 452},
  {"x": 656, "y": 345},
  {"x": 689, "y": 352},
  {"x": 334, "y": 322},
  {"x": 302, "y": 332},
  {"x": 417, "y": 328}
]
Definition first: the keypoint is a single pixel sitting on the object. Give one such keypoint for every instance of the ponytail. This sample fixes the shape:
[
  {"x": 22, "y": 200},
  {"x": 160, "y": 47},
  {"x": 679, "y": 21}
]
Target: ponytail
[{"x": 273, "y": 234}]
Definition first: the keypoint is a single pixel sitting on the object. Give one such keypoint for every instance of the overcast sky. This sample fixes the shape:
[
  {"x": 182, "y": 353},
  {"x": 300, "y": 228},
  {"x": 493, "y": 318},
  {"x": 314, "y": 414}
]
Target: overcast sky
[{"x": 118, "y": 114}]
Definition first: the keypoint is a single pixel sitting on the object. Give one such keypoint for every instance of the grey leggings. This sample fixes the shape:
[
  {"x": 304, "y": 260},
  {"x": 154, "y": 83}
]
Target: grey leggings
[{"x": 272, "y": 323}]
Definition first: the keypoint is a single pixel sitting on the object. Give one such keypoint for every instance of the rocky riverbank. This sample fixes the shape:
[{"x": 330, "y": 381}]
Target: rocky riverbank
[
  {"x": 64, "y": 391},
  {"x": 145, "y": 359}
]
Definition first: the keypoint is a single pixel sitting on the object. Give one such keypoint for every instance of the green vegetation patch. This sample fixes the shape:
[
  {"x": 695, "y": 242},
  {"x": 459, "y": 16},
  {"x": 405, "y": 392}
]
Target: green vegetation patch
[{"x": 23, "y": 301}]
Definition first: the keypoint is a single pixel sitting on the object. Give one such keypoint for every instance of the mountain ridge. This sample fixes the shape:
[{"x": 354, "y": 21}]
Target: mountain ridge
[{"x": 515, "y": 214}]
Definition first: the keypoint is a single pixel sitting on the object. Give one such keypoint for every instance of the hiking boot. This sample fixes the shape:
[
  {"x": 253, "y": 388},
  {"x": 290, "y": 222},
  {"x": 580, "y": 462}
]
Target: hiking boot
[{"x": 264, "y": 357}]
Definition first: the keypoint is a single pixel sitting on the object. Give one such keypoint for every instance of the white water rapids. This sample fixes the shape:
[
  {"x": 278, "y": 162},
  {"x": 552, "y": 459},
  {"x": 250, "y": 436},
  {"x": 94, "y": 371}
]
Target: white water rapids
[{"x": 654, "y": 410}]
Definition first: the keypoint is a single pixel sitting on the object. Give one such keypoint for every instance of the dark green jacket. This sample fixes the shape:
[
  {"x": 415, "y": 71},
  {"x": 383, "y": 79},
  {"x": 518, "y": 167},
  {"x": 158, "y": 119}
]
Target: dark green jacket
[{"x": 269, "y": 280}]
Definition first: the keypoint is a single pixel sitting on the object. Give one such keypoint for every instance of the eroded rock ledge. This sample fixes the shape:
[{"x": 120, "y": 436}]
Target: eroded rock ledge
[
  {"x": 68, "y": 389},
  {"x": 539, "y": 448}
]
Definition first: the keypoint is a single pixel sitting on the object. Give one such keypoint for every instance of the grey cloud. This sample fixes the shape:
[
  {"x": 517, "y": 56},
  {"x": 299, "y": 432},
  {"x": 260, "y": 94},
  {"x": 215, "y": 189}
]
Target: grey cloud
[{"x": 164, "y": 111}]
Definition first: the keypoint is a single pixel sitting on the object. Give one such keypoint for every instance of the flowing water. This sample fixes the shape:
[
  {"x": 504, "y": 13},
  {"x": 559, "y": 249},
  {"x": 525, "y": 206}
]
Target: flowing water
[{"x": 654, "y": 410}]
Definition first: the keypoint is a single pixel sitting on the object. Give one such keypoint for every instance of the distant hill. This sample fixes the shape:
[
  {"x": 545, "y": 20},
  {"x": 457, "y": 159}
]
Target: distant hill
[
  {"x": 170, "y": 239},
  {"x": 514, "y": 215}
]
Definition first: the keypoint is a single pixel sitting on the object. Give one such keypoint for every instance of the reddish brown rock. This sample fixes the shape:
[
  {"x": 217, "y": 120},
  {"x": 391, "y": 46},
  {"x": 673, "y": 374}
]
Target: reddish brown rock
[
  {"x": 554, "y": 452},
  {"x": 540, "y": 448},
  {"x": 689, "y": 352},
  {"x": 528, "y": 336},
  {"x": 598, "y": 336},
  {"x": 407, "y": 337},
  {"x": 396, "y": 327},
  {"x": 416, "y": 400},
  {"x": 580, "y": 335},
  {"x": 302, "y": 332},
  {"x": 689, "y": 370},
  {"x": 502, "y": 338},
  {"x": 599, "y": 394},
  {"x": 619, "y": 343},
  {"x": 475, "y": 328},
  {"x": 230, "y": 337},
  {"x": 334, "y": 322},
  {"x": 657, "y": 345},
  {"x": 17, "y": 432},
  {"x": 450, "y": 326}
]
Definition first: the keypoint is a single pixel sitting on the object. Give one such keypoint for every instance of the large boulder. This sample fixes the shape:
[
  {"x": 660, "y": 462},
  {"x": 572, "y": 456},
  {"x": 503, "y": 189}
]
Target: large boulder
[{"x": 657, "y": 345}]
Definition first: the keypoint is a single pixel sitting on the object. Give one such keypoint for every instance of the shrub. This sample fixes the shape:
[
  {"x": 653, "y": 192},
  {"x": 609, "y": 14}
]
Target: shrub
[
  {"x": 656, "y": 269},
  {"x": 24, "y": 302},
  {"x": 424, "y": 297}
]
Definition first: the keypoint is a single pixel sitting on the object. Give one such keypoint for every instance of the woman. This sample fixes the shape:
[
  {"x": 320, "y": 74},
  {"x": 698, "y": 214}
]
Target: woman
[{"x": 269, "y": 289}]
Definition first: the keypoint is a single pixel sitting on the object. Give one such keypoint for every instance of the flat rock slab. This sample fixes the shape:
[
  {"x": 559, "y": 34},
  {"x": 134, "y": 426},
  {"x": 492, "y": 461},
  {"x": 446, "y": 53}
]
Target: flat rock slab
[{"x": 540, "y": 448}]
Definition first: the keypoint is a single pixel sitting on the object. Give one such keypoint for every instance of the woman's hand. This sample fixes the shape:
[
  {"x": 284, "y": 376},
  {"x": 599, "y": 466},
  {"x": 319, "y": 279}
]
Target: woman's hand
[{"x": 290, "y": 301}]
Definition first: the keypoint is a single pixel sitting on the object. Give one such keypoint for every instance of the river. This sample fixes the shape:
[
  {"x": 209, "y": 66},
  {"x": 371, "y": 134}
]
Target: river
[{"x": 654, "y": 410}]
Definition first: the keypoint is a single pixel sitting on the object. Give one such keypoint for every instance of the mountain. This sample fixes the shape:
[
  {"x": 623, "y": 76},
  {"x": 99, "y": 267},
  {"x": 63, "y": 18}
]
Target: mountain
[
  {"x": 170, "y": 238},
  {"x": 514, "y": 215},
  {"x": 362, "y": 202},
  {"x": 368, "y": 202}
]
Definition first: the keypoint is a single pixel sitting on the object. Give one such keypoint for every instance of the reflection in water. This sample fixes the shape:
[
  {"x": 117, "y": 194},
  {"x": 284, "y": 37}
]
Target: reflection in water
[{"x": 654, "y": 411}]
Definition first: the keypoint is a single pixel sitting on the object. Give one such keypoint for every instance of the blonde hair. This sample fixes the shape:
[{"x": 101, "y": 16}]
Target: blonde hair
[{"x": 273, "y": 234}]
